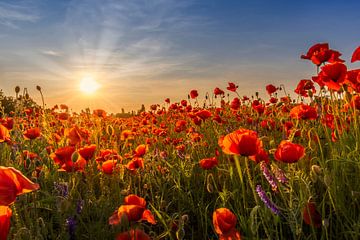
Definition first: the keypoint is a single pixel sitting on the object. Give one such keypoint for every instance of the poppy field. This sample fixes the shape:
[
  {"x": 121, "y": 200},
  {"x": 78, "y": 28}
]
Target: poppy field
[{"x": 215, "y": 165}]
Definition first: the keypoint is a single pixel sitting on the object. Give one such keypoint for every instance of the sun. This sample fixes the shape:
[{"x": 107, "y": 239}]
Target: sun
[{"x": 89, "y": 85}]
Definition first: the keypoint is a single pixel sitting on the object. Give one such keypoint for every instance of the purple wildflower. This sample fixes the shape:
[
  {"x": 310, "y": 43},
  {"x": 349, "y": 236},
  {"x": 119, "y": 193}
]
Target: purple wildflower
[
  {"x": 79, "y": 206},
  {"x": 71, "y": 226},
  {"x": 62, "y": 189},
  {"x": 279, "y": 174},
  {"x": 269, "y": 177},
  {"x": 269, "y": 204}
]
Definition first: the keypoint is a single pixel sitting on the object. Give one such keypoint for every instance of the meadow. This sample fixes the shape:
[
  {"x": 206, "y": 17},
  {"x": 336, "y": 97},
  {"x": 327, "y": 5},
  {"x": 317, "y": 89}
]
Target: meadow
[{"x": 220, "y": 166}]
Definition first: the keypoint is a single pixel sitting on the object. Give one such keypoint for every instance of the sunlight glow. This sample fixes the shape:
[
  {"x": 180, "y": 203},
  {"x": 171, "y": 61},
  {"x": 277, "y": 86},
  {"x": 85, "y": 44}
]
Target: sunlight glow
[{"x": 89, "y": 85}]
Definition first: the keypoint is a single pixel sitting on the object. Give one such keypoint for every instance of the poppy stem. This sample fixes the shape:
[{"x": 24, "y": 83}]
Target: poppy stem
[
  {"x": 251, "y": 182},
  {"x": 238, "y": 168}
]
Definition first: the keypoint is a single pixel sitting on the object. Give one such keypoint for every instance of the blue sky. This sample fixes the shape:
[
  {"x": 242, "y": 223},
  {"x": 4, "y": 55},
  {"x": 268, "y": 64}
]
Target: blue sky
[{"x": 144, "y": 51}]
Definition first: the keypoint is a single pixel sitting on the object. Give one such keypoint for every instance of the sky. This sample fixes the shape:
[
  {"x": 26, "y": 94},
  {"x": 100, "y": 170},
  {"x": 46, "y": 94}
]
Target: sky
[{"x": 143, "y": 51}]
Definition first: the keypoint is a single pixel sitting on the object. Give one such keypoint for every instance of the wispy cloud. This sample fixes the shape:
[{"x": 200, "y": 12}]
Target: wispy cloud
[
  {"x": 52, "y": 53},
  {"x": 130, "y": 37},
  {"x": 11, "y": 14}
]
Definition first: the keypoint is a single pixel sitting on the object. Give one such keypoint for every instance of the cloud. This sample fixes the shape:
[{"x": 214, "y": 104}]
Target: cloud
[
  {"x": 12, "y": 14},
  {"x": 132, "y": 38},
  {"x": 51, "y": 53}
]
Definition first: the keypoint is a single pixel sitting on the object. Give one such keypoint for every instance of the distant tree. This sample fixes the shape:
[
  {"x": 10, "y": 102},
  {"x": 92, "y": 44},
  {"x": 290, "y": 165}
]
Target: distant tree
[{"x": 10, "y": 104}]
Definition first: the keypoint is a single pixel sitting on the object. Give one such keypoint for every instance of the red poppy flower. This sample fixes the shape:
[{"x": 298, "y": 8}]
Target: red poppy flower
[
  {"x": 260, "y": 156},
  {"x": 235, "y": 104},
  {"x": 353, "y": 78},
  {"x": 232, "y": 87},
  {"x": 12, "y": 184},
  {"x": 194, "y": 94},
  {"x": 4, "y": 134},
  {"x": 134, "y": 209},
  {"x": 303, "y": 111},
  {"x": 356, "y": 55},
  {"x": 141, "y": 150},
  {"x": 32, "y": 133},
  {"x": 355, "y": 102},
  {"x": 73, "y": 135},
  {"x": 5, "y": 216},
  {"x": 183, "y": 103},
  {"x": 136, "y": 234},
  {"x": 135, "y": 163},
  {"x": 224, "y": 222},
  {"x": 270, "y": 89},
  {"x": 318, "y": 53},
  {"x": 241, "y": 142},
  {"x": 87, "y": 152},
  {"x": 333, "y": 75},
  {"x": 208, "y": 163},
  {"x": 203, "y": 114},
  {"x": 167, "y": 100},
  {"x": 7, "y": 122},
  {"x": 304, "y": 86},
  {"x": 334, "y": 56},
  {"x": 99, "y": 113},
  {"x": 62, "y": 155},
  {"x": 289, "y": 152},
  {"x": 108, "y": 166},
  {"x": 218, "y": 91},
  {"x": 311, "y": 216}
]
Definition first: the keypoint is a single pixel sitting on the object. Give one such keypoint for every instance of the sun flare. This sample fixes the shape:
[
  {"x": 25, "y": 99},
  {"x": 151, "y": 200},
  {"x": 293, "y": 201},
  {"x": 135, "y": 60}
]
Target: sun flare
[{"x": 89, "y": 85}]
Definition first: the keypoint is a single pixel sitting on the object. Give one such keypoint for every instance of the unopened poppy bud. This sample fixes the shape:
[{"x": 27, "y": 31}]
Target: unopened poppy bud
[
  {"x": 327, "y": 180},
  {"x": 17, "y": 89},
  {"x": 316, "y": 169},
  {"x": 38, "y": 88},
  {"x": 185, "y": 218}
]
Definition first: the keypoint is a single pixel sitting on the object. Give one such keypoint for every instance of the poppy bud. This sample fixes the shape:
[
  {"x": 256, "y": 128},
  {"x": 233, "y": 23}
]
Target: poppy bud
[{"x": 17, "y": 89}]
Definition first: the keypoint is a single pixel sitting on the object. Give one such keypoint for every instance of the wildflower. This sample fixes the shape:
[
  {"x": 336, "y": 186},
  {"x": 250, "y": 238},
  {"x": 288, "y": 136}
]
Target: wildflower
[
  {"x": 141, "y": 150},
  {"x": 268, "y": 203},
  {"x": 108, "y": 166},
  {"x": 134, "y": 209},
  {"x": 4, "y": 134},
  {"x": 270, "y": 89},
  {"x": 303, "y": 111},
  {"x": 224, "y": 222},
  {"x": 194, "y": 94},
  {"x": 79, "y": 206},
  {"x": 62, "y": 189},
  {"x": 32, "y": 133},
  {"x": 311, "y": 216},
  {"x": 73, "y": 134},
  {"x": 135, "y": 163},
  {"x": 269, "y": 177},
  {"x": 12, "y": 184},
  {"x": 235, "y": 104},
  {"x": 71, "y": 226},
  {"x": 5, "y": 216},
  {"x": 208, "y": 163},
  {"x": 260, "y": 156},
  {"x": 356, "y": 55},
  {"x": 289, "y": 152},
  {"x": 304, "y": 86},
  {"x": 218, "y": 91},
  {"x": 333, "y": 75},
  {"x": 232, "y": 87},
  {"x": 87, "y": 152},
  {"x": 318, "y": 53},
  {"x": 99, "y": 113},
  {"x": 279, "y": 174},
  {"x": 133, "y": 234},
  {"x": 241, "y": 142}
]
